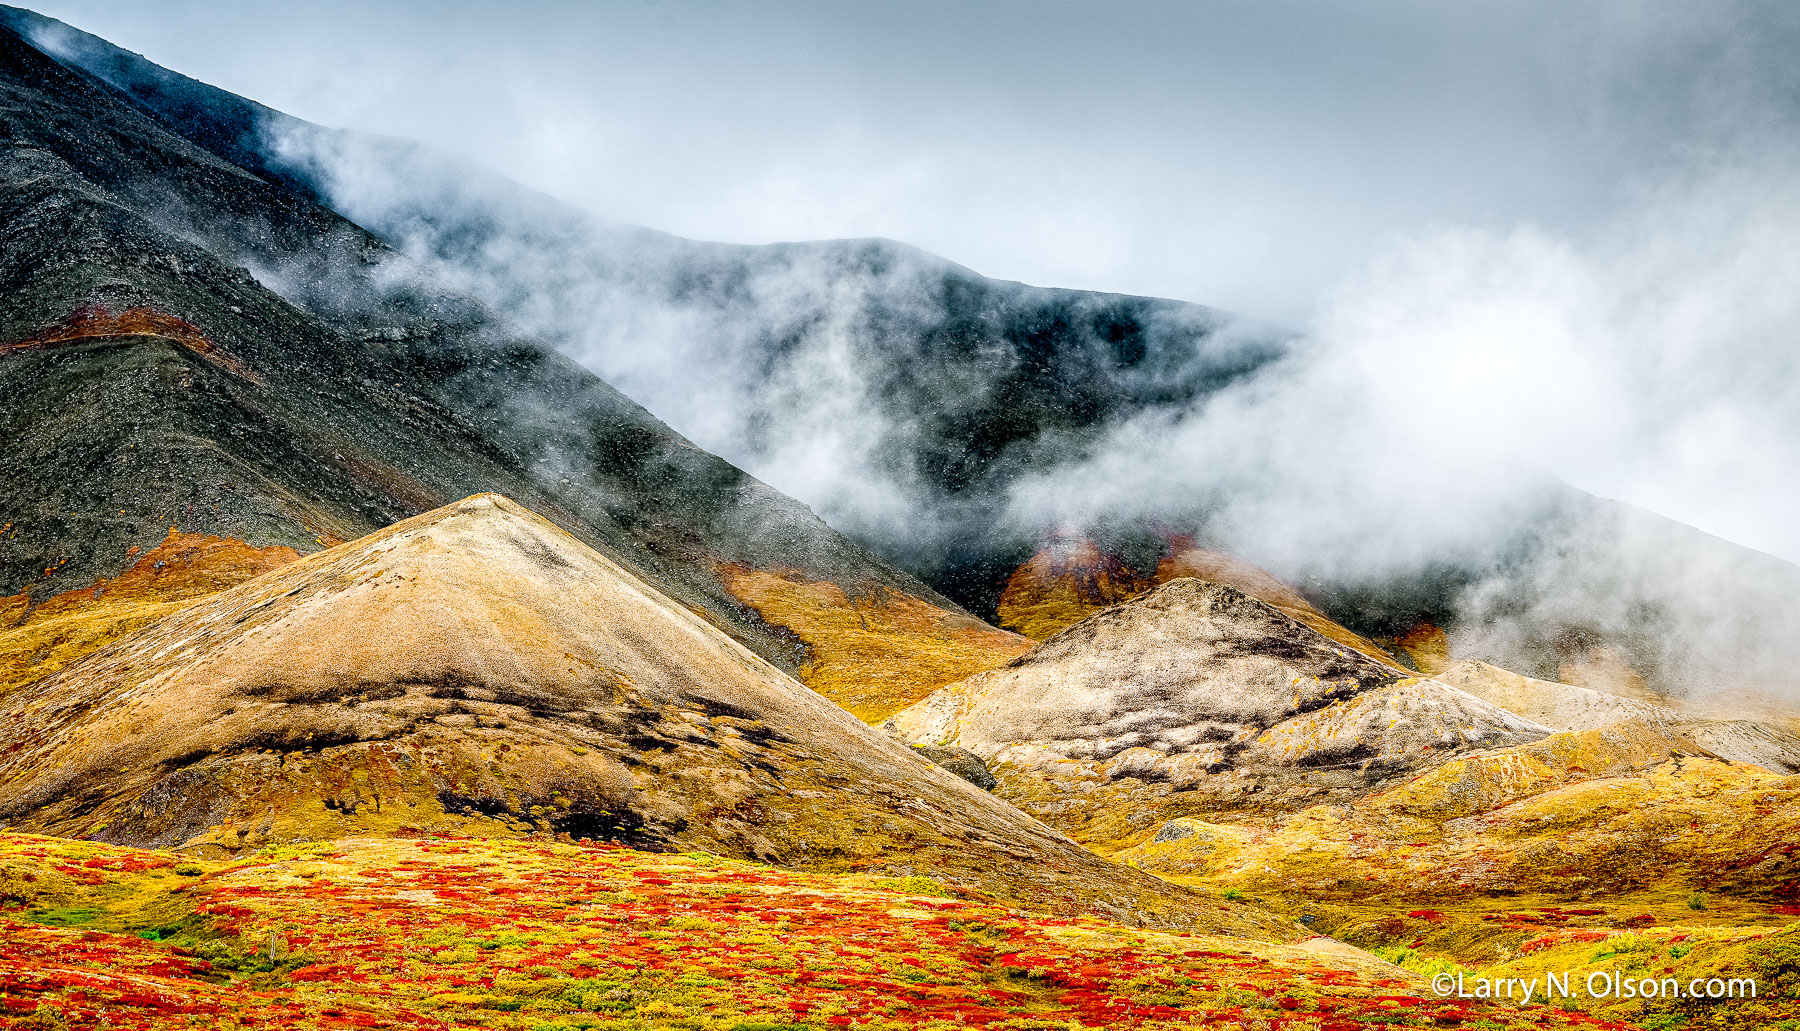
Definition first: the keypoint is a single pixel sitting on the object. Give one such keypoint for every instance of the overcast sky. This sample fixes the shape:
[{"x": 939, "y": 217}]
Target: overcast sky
[{"x": 1242, "y": 154}]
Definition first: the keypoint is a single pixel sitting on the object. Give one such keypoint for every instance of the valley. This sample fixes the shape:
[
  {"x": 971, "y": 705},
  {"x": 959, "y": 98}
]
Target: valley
[{"x": 368, "y": 660}]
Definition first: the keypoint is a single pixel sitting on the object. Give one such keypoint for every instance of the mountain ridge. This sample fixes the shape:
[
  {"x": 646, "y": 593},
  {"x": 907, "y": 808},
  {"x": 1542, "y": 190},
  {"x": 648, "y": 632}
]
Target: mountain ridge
[
  {"x": 906, "y": 397},
  {"x": 204, "y": 400}
]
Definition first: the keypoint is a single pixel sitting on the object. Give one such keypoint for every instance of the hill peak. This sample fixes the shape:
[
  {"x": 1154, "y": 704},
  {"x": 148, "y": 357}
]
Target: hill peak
[
  {"x": 477, "y": 669},
  {"x": 1197, "y": 697}
]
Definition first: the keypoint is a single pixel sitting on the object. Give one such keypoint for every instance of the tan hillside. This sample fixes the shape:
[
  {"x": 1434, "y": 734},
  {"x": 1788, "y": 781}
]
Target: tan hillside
[
  {"x": 1562, "y": 706},
  {"x": 1627, "y": 807},
  {"x": 1749, "y": 737},
  {"x": 1623, "y": 847},
  {"x": 477, "y": 670},
  {"x": 1197, "y": 698}
]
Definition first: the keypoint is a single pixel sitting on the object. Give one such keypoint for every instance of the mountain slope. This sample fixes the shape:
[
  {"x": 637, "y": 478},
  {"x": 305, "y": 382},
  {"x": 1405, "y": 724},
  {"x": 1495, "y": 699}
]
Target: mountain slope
[
  {"x": 936, "y": 385},
  {"x": 193, "y": 347},
  {"x": 1580, "y": 814},
  {"x": 475, "y": 669},
  {"x": 1747, "y": 737},
  {"x": 908, "y": 397},
  {"x": 1072, "y": 577},
  {"x": 1194, "y": 698}
]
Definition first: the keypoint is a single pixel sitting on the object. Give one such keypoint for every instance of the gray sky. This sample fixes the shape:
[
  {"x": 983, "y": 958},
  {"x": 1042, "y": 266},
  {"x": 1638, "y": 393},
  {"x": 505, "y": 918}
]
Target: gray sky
[{"x": 1242, "y": 154}]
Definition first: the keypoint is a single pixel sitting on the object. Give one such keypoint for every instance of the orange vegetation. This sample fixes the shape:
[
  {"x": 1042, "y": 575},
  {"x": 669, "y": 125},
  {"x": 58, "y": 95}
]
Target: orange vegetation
[
  {"x": 1067, "y": 581},
  {"x": 37, "y": 641},
  {"x": 1072, "y": 578},
  {"x": 538, "y": 935},
  {"x": 1427, "y": 646},
  {"x": 96, "y": 322},
  {"x": 873, "y": 655}
]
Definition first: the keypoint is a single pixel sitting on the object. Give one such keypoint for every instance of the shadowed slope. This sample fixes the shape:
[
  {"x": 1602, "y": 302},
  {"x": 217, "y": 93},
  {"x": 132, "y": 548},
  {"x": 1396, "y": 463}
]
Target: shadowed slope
[
  {"x": 183, "y": 343},
  {"x": 478, "y": 669}
]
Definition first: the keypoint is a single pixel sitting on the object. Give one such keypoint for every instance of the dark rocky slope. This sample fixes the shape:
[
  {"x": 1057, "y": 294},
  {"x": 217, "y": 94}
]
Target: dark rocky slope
[{"x": 183, "y": 343}]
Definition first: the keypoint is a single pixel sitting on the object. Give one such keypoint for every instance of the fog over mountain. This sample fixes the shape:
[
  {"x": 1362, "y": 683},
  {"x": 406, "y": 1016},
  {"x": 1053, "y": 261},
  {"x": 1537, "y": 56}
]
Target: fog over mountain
[
  {"x": 786, "y": 515},
  {"x": 1602, "y": 297}
]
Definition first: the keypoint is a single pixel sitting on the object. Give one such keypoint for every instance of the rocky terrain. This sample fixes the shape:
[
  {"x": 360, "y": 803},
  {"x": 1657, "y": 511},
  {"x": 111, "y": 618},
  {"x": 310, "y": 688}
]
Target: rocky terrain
[
  {"x": 1193, "y": 698},
  {"x": 193, "y": 347},
  {"x": 368, "y": 661},
  {"x": 477, "y": 670}
]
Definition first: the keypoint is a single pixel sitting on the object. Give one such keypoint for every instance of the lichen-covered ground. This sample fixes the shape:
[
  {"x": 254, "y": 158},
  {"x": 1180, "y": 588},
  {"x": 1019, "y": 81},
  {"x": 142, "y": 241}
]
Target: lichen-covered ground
[
  {"x": 872, "y": 655},
  {"x": 39, "y": 639},
  {"x": 537, "y": 934},
  {"x": 1589, "y": 851}
]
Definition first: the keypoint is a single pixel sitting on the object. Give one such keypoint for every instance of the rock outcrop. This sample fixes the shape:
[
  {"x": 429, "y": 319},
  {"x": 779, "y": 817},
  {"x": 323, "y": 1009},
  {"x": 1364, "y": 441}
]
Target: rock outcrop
[{"x": 1194, "y": 698}]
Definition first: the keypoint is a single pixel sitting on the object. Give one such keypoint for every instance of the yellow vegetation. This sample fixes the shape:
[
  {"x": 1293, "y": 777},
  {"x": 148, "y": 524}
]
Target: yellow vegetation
[
  {"x": 35, "y": 642},
  {"x": 1072, "y": 578},
  {"x": 873, "y": 655},
  {"x": 1610, "y": 810},
  {"x": 1069, "y": 580},
  {"x": 1428, "y": 647}
]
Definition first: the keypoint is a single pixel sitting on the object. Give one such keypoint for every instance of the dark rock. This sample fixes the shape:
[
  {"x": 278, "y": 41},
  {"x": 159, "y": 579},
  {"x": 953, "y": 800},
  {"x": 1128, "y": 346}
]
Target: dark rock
[{"x": 962, "y": 762}]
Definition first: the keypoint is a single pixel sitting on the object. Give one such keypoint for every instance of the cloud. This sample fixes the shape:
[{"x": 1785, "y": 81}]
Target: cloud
[
  {"x": 1441, "y": 385},
  {"x": 1416, "y": 425}
]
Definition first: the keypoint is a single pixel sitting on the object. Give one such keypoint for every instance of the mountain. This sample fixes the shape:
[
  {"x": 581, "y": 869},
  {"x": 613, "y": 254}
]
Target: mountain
[
  {"x": 909, "y": 398},
  {"x": 1073, "y": 577},
  {"x": 1197, "y": 698},
  {"x": 477, "y": 670},
  {"x": 948, "y": 384},
  {"x": 189, "y": 348}
]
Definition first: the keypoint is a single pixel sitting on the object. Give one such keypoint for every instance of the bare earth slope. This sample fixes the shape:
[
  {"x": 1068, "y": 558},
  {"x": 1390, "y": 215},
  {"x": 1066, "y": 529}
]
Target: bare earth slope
[
  {"x": 477, "y": 669},
  {"x": 1195, "y": 697},
  {"x": 1746, "y": 737}
]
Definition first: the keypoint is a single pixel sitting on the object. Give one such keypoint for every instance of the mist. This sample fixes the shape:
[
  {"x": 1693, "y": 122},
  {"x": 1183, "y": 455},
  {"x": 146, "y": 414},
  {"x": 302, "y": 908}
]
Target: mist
[
  {"x": 1591, "y": 284},
  {"x": 1656, "y": 364},
  {"x": 1239, "y": 155},
  {"x": 1426, "y": 418}
]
